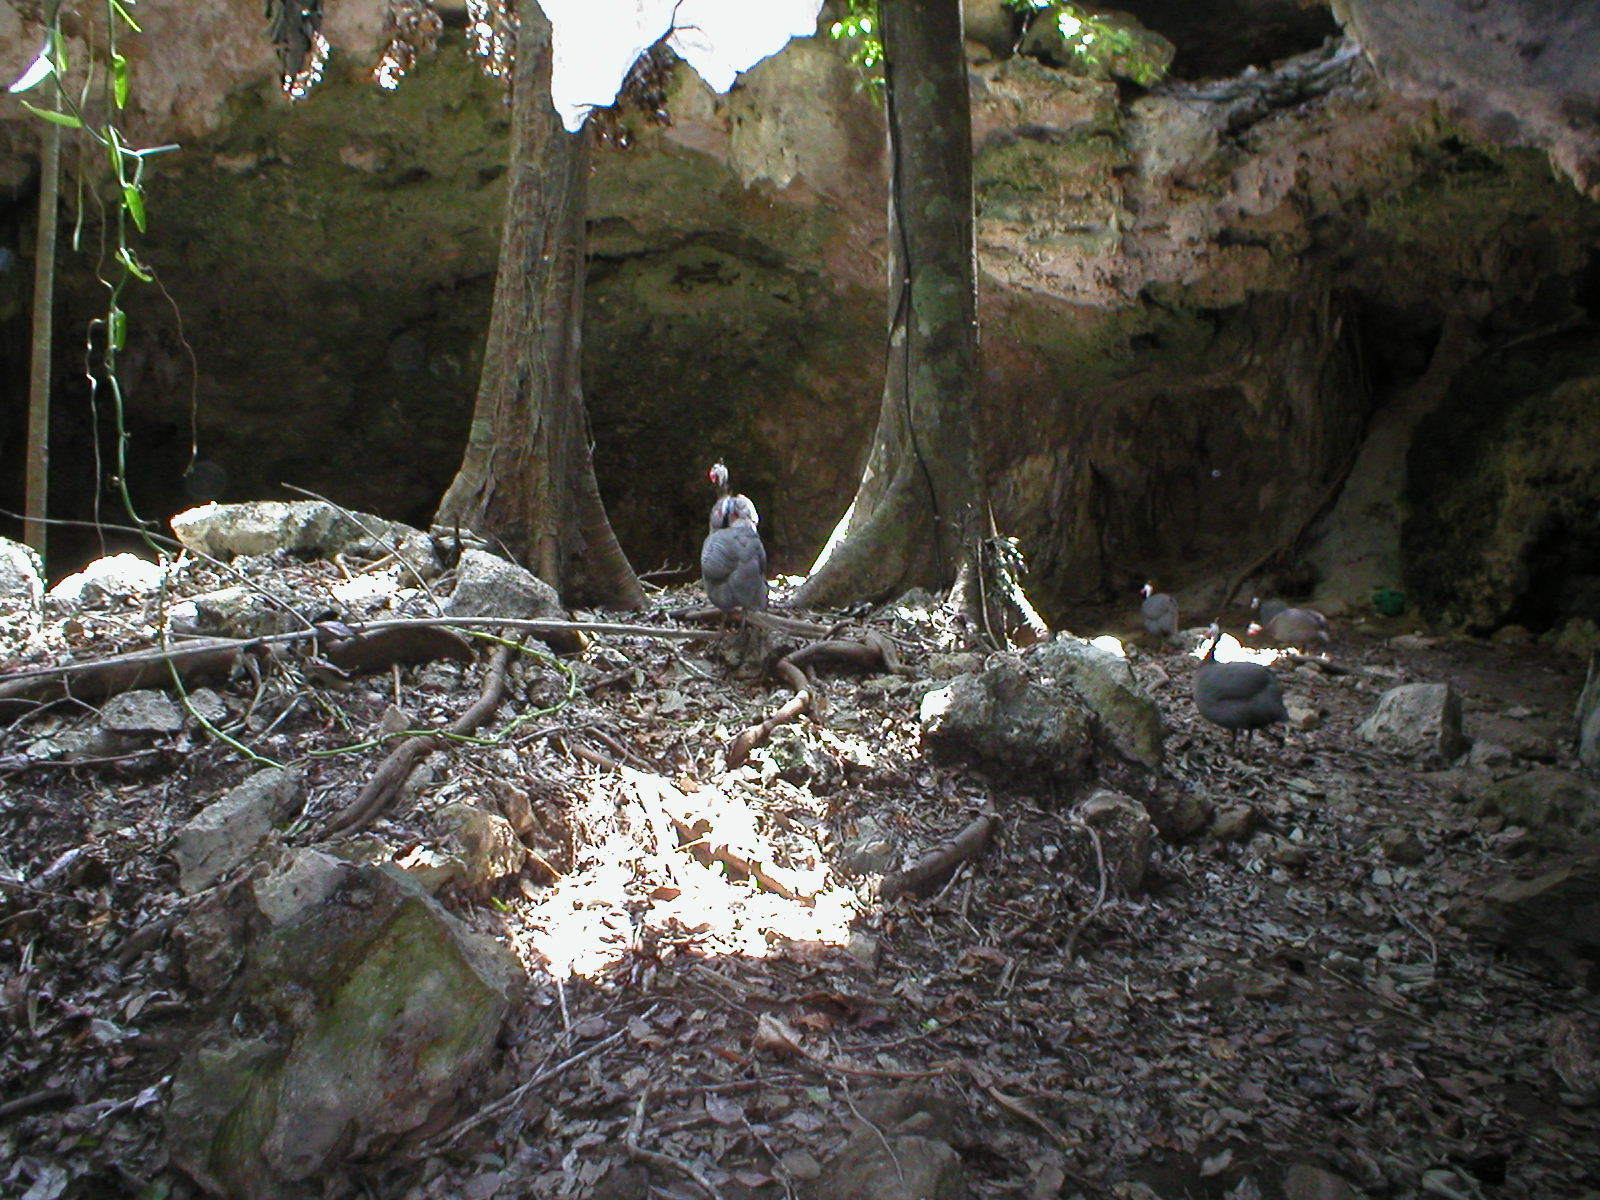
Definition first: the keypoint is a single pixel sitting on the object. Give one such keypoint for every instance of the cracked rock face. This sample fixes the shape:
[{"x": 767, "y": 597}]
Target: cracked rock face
[{"x": 1520, "y": 72}]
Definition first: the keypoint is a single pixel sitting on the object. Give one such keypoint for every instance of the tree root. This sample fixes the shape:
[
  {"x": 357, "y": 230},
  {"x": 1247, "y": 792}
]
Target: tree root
[
  {"x": 392, "y": 773},
  {"x": 934, "y": 867}
]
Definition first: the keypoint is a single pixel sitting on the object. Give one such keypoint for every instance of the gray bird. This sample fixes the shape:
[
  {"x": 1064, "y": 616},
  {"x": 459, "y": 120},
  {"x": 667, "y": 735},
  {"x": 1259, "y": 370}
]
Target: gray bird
[
  {"x": 1265, "y": 610},
  {"x": 733, "y": 561},
  {"x": 1236, "y": 695},
  {"x": 1300, "y": 627},
  {"x": 728, "y": 506},
  {"x": 1160, "y": 613}
]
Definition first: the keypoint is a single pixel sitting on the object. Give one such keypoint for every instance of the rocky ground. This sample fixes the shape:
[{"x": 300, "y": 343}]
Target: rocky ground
[{"x": 721, "y": 1002}]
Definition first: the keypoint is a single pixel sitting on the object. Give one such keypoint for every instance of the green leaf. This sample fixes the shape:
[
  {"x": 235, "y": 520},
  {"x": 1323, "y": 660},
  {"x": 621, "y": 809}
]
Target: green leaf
[
  {"x": 119, "y": 328},
  {"x": 133, "y": 201},
  {"x": 55, "y": 118},
  {"x": 117, "y": 8},
  {"x": 58, "y": 49},
  {"x": 119, "y": 80},
  {"x": 137, "y": 269}
]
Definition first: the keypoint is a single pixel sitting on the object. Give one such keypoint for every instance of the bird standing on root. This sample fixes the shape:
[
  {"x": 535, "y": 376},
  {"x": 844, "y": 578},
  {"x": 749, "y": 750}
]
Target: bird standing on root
[
  {"x": 1160, "y": 613},
  {"x": 1236, "y": 695},
  {"x": 733, "y": 561},
  {"x": 1300, "y": 627}
]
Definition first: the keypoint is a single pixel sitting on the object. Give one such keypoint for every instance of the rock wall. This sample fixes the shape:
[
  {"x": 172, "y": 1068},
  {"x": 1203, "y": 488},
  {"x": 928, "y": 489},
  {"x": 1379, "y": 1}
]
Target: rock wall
[{"x": 1199, "y": 303}]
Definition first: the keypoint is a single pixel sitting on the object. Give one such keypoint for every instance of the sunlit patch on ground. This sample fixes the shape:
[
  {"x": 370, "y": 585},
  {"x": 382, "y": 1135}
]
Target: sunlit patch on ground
[
  {"x": 694, "y": 867},
  {"x": 1230, "y": 649}
]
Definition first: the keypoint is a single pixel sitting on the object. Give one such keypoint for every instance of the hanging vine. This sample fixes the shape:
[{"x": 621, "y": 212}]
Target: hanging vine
[{"x": 92, "y": 109}]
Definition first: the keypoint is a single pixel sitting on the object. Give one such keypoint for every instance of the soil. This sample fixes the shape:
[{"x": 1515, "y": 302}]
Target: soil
[{"x": 1286, "y": 991}]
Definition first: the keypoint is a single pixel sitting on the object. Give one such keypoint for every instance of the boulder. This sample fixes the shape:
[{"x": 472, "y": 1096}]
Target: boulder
[
  {"x": 374, "y": 1010},
  {"x": 119, "y": 577},
  {"x": 310, "y": 528},
  {"x": 490, "y": 586},
  {"x": 1543, "y": 800},
  {"x": 1555, "y": 912},
  {"x": 1417, "y": 720},
  {"x": 1002, "y": 717},
  {"x": 1126, "y": 715}
]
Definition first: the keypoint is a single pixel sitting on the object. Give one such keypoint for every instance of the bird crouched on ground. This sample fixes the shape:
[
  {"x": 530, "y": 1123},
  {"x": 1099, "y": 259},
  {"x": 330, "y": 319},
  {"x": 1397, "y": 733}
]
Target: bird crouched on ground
[
  {"x": 1301, "y": 627},
  {"x": 1160, "y": 613},
  {"x": 733, "y": 560},
  {"x": 1236, "y": 695}
]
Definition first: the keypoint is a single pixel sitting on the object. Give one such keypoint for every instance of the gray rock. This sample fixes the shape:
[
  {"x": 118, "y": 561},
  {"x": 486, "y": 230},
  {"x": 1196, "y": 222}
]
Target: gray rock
[
  {"x": 21, "y": 595},
  {"x": 1402, "y": 846},
  {"x": 1555, "y": 913},
  {"x": 1543, "y": 800},
  {"x": 238, "y": 612},
  {"x": 490, "y": 586},
  {"x": 485, "y": 843},
  {"x": 1588, "y": 717},
  {"x": 1003, "y": 717},
  {"x": 1128, "y": 718},
  {"x": 1303, "y": 1181},
  {"x": 902, "y": 1153},
  {"x": 381, "y": 1007},
  {"x": 141, "y": 713},
  {"x": 1234, "y": 823},
  {"x": 1179, "y": 816},
  {"x": 1124, "y": 829},
  {"x": 313, "y": 528},
  {"x": 119, "y": 577},
  {"x": 1417, "y": 720},
  {"x": 227, "y": 832}
]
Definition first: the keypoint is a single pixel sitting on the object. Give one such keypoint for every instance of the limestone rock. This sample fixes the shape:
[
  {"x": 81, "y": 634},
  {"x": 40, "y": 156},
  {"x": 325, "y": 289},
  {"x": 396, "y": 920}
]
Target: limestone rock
[
  {"x": 1556, "y": 913},
  {"x": 1124, "y": 829},
  {"x": 1003, "y": 717},
  {"x": 490, "y": 586},
  {"x": 1127, "y": 717},
  {"x": 1417, "y": 720},
  {"x": 382, "y": 1007},
  {"x": 21, "y": 595},
  {"x": 1588, "y": 716},
  {"x": 312, "y": 528},
  {"x": 903, "y": 1154},
  {"x": 1543, "y": 800},
  {"x": 1303, "y": 1181},
  {"x": 485, "y": 842},
  {"x": 226, "y": 832},
  {"x": 119, "y": 577},
  {"x": 141, "y": 713}
]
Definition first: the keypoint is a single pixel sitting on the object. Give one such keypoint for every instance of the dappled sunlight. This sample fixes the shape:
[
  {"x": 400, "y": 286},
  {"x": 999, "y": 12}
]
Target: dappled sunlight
[
  {"x": 692, "y": 866},
  {"x": 1230, "y": 649},
  {"x": 1110, "y": 644}
]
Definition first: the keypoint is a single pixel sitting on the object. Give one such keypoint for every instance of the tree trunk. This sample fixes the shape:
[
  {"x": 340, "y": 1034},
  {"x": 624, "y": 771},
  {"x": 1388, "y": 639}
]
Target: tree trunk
[
  {"x": 527, "y": 477},
  {"x": 919, "y": 514},
  {"x": 36, "y": 501}
]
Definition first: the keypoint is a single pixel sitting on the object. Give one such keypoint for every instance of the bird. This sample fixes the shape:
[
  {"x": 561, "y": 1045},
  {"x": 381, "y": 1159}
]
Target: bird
[
  {"x": 1160, "y": 612},
  {"x": 1265, "y": 610},
  {"x": 728, "y": 506},
  {"x": 1236, "y": 695},
  {"x": 733, "y": 560},
  {"x": 1300, "y": 627}
]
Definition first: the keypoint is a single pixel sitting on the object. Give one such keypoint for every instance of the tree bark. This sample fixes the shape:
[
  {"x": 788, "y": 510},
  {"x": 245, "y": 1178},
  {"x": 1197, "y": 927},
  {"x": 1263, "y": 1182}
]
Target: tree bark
[
  {"x": 527, "y": 476},
  {"x": 919, "y": 513},
  {"x": 36, "y": 502}
]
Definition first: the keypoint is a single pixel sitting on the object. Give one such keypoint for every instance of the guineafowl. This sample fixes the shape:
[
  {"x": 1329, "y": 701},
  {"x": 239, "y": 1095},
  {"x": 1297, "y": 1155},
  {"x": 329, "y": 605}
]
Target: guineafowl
[
  {"x": 1160, "y": 613},
  {"x": 1265, "y": 610},
  {"x": 1236, "y": 695},
  {"x": 733, "y": 560},
  {"x": 1300, "y": 627}
]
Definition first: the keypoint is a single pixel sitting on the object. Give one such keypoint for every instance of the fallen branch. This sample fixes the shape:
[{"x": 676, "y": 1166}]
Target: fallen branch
[
  {"x": 748, "y": 739},
  {"x": 393, "y": 772},
  {"x": 936, "y": 865}
]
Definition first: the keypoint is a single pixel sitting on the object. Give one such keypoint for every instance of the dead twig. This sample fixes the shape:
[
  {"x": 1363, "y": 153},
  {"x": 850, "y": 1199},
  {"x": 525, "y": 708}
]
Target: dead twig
[
  {"x": 654, "y": 1158},
  {"x": 393, "y": 772},
  {"x": 506, "y": 1103}
]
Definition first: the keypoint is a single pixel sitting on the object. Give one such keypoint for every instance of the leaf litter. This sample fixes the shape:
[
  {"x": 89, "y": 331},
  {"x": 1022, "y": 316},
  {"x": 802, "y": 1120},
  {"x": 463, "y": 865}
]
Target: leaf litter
[{"x": 715, "y": 984}]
